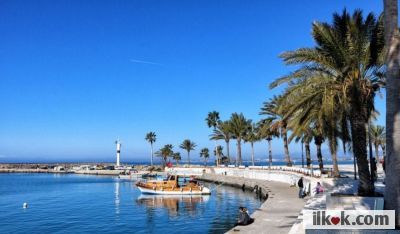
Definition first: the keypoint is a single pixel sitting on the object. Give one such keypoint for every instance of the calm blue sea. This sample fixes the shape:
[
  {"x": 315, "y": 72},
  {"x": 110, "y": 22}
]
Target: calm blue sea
[{"x": 98, "y": 204}]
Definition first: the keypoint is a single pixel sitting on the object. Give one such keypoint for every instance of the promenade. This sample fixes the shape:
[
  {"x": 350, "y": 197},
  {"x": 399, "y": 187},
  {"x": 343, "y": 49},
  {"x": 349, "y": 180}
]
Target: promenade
[{"x": 277, "y": 214}]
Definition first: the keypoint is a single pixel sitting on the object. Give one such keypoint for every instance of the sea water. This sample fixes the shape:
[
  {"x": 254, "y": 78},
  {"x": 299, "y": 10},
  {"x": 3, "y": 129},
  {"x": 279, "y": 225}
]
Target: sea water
[{"x": 71, "y": 203}]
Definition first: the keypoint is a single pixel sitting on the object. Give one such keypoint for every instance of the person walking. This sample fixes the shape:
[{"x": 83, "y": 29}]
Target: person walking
[{"x": 300, "y": 185}]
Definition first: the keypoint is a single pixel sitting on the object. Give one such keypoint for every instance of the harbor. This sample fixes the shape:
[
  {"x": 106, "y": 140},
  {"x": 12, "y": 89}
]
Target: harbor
[{"x": 187, "y": 117}]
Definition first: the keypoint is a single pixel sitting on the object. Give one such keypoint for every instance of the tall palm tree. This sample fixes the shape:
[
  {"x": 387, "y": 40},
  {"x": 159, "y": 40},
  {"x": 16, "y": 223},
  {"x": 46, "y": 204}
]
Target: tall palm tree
[
  {"x": 151, "y": 137},
  {"x": 392, "y": 159},
  {"x": 311, "y": 104},
  {"x": 177, "y": 157},
  {"x": 378, "y": 135},
  {"x": 188, "y": 146},
  {"x": 223, "y": 132},
  {"x": 205, "y": 154},
  {"x": 383, "y": 147},
  {"x": 275, "y": 111},
  {"x": 212, "y": 122},
  {"x": 303, "y": 134},
  {"x": 239, "y": 128},
  {"x": 318, "y": 140},
  {"x": 348, "y": 53},
  {"x": 252, "y": 136},
  {"x": 266, "y": 132},
  {"x": 165, "y": 152},
  {"x": 219, "y": 155}
]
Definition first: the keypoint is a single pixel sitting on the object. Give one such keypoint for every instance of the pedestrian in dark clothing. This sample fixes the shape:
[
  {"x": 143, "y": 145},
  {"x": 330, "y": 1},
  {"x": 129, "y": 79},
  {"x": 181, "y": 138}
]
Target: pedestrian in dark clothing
[
  {"x": 244, "y": 218},
  {"x": 301, "y": 186}
]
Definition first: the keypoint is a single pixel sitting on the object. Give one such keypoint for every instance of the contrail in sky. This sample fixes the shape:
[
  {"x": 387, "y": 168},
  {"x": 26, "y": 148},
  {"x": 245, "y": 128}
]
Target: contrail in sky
[{"x": 146, "y": 62}]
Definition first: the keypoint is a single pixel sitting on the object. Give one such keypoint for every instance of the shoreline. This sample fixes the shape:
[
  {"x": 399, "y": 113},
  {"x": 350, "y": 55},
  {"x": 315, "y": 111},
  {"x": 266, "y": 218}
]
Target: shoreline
[{"x": 280, "y": 212}]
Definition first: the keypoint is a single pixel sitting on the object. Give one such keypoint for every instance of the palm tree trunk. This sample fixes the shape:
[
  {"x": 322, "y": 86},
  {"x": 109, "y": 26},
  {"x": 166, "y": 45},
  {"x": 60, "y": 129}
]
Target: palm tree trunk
[
  {"x": 335, "y": 164},
  {"x": 359, "y": 139},
  {"x": 189, "y": 157},
  {"x": 319, "y": 156},
  {"x": 227, "y": 151},
  {"x": 333, "y": 149},
  {"x": 308, "y": 153},
  {"x": 164, "y": 161},
  {"x": 216, "y": 151},
  {"x": 239, "y": 153},
  {"x": 252, "y": 152},
  {"x": 377, "y": 153},
  {"x": 269, "y": 153},
  {"x": 392, "y": 159},
  {"x": 151, "y": 154},
  {"x": 286, "y": 146}
]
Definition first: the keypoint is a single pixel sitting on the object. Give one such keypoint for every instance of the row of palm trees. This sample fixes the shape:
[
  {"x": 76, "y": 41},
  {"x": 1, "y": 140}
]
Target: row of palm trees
[
  {"x": 167, "y": 152},
  {"x": 330, "y": 96},
  {"x": 241, "y": 129}
]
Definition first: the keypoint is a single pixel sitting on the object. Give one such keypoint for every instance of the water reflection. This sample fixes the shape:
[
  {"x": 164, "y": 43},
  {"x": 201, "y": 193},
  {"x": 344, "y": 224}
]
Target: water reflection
[
  {"x": 175, "y": 205},
  {"x": 117, "y": 201}
]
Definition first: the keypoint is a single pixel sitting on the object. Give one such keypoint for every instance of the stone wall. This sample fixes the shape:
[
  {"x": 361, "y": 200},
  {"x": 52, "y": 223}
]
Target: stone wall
[{"x": 287, "y": 177}]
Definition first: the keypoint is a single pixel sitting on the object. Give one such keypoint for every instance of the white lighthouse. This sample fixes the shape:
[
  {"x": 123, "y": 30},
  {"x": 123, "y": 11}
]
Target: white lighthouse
[{"x": 118, "y": 143}]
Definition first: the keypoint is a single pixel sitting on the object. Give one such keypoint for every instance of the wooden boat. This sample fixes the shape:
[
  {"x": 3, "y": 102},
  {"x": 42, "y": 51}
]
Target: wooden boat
[{"x": 172, "y": 186}]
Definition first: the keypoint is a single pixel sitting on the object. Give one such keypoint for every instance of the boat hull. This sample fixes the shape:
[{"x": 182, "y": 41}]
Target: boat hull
[{"x": 204, "y": 191}]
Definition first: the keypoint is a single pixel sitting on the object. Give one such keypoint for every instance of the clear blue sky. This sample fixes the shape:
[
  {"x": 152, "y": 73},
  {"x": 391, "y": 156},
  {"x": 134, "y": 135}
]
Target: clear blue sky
[{"x": 75, "y": 75}]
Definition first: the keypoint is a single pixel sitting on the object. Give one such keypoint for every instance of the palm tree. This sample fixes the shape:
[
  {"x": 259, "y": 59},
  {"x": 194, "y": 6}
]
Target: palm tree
[
  {"x": 165, "y": 152},
  {"x": 212, "y": 122},
  {"x": 383, "y": 147},
  {"x": 392, "y": 160},
  {"x": 239, "y": 128},
  {"x": 303, "y": 134},
  {"x": 252, "y": 136},
  {"x": 177, "y": 157},
  {"x": 311, "y": 104},
  {"x": 378, "y": 135},
  {"x": 318, "y": 140},
  {"x": 188, "y": 146},
  {"x": 151, "y": 138},
  {"x": 204, "y": 153},
  {"x": 223, "y": 132},
  {"x": 219, "y": 155},
  {"x": 266, "y": 132},
  {"x": 349, "y": 55},
  {"x": 275, "y": 111}
]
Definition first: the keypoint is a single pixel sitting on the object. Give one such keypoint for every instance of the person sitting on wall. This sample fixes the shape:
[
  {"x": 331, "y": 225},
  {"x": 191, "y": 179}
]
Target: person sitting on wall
[
  {"x": 319, "y": 189},
  {"x": 244, "y": 217}
]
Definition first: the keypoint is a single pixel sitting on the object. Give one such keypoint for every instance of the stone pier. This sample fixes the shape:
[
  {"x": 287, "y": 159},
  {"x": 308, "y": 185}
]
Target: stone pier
[{"x": 277, "y": 214}]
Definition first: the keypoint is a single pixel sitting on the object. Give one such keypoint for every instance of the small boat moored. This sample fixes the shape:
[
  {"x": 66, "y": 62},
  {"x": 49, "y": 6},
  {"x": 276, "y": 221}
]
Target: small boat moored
[
  {"x": 132, "y": 175},
  {"x": 172, "y": 186}
]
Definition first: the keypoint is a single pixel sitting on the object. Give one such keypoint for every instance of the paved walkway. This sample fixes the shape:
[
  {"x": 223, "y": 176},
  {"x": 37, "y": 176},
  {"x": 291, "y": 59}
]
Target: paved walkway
[
  {"x": 326, "y": 201},
  {"x": 277, "y": 214}
]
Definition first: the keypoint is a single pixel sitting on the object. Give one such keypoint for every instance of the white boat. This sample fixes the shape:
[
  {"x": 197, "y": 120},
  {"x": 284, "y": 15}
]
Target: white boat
[
  {"x": 132, "y": 175},
  {"x": 172, "y": 187}
]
